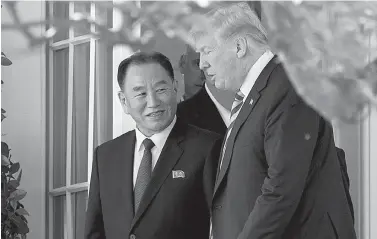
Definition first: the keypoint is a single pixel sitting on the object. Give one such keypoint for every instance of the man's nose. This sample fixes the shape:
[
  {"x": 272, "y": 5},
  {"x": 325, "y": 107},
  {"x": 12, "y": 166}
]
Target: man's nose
[
  {"x": 203, "y": 64},
  {"x": 152, "y": 100}
]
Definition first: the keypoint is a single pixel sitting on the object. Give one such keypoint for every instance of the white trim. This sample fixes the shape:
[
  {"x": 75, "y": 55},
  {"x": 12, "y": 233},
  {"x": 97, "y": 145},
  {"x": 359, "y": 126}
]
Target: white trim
[
  {"x": 364, "y": 186},
  {"x": 69, "y": 221},
  {"x": 372, "y": 154},
  {"x": 43, "y": 65},
  {"x": 79, "y": 187},
  {"x": 364, "y": 206},
  {"x": 59, "y": 45},
  {"x": 73, "y": 40},
  {"x": 118, "y": 55},
  {"x": 92, "y": 65},
  {"x": 121, "y": 122},
  {"x": 369, "y": 167},
  {"x": 373, "y": 175},
  {"x": 65, "y": 220},
  {"x": 51, "y": 133}
]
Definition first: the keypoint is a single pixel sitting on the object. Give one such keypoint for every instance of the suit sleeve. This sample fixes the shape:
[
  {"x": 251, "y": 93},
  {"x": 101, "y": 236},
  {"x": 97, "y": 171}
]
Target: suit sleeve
[
  {"x": 290, "y": 139},
  {"x": 346, "y": 181},
  {"x": 210, "y": 170},
  {"x": 94, "y": 227}
]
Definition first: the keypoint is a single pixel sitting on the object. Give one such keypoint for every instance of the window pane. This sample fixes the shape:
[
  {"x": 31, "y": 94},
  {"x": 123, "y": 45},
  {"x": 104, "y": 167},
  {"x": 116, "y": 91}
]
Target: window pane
[
  {"x": 103, "y": 109},
  {"x": 104, "y": 15},
  {"x": 80, "y": 113},
  {"x": 60, "y": 101},
  {"x": 82, "y": 7},
  {"x": 59, "y": 216},
  {"x": 79, "y": 201},
  {"x": 61, "y": 11}
]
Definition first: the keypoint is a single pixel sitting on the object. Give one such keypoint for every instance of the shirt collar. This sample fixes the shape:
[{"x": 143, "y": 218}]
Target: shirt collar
[
  {"x": 158, "y": 139},
  {"x": 224, "y": 112},
  {"x": 255, "y": 71},
  {"x": 218, "y": 105}
]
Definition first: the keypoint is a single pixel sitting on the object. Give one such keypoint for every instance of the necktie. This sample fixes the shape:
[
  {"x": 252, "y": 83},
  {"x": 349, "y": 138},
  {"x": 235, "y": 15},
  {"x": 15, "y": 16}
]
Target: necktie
[
  {"x": 144, "y": 173},
  {"x": 236, "y": 106}
]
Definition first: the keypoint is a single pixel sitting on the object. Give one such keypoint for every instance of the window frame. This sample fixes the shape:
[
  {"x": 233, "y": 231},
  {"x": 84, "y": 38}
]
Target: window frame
[{"x": 71, "y": 188}]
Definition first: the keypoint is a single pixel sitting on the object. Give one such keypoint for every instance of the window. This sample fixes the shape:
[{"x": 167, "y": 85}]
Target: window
[{"x": 80, "y": 113}]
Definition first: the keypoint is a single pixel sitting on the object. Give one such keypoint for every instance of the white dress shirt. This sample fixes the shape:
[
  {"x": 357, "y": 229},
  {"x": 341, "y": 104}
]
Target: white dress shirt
[
  {"x": 224, "y": 112},
  {"x": 158, "y": 139},
  {"x": 254, "y": 73},
  {"x": 249, "y": 82}
]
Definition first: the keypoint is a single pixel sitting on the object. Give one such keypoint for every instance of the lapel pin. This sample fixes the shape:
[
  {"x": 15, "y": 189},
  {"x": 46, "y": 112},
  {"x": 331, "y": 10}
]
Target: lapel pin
[
  {"x": 178, "y": 174},
  {"x": 251, "y": 101}
]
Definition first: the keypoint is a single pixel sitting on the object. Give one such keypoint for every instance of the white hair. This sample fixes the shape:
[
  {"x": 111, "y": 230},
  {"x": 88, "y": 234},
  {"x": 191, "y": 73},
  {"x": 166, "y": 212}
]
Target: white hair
[{"x": 238, "y": 20}]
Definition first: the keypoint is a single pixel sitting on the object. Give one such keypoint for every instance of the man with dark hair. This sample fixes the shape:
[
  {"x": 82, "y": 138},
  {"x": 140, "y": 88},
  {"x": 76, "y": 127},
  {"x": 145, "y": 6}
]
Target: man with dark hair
[
  {"x": 157, "y": 180},
  {"x": 204, "y": 106}
]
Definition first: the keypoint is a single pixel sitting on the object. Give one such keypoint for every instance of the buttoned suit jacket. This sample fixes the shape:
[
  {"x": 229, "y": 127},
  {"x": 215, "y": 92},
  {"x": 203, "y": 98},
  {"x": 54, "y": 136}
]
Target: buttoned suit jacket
[
  {"x": 280, "y": 176},
  {"x": 170, "y": 207}
]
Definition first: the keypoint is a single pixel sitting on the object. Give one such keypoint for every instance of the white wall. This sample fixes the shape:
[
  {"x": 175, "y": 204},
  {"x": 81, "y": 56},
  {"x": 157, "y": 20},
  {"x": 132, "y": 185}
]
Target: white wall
[
  {"x": 23, "y": 97},
  {"x": 349, "y": 137},
  {"x": 359, "y": 142},
  {"x": 372, "y": 182},
  {"x": 121, "y": 122}
]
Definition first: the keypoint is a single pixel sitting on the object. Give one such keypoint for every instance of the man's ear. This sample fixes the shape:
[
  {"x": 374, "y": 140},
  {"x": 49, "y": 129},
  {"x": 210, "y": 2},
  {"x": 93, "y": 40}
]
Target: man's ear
[
  {"x": 182, "y": 63},
  {"x": 175, "y": 85},
  {"x": 241, "y": 44},
  {"x": 123, "y": 102}
]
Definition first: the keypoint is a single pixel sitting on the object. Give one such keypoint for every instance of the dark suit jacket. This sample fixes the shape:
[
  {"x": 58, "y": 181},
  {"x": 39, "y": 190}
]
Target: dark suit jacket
[
  {"x": 199, "y": 110},
  {"x": 170, "y": 208},
  {"x": 280, "y": 175},
  {"x": 346, "y": 181}
]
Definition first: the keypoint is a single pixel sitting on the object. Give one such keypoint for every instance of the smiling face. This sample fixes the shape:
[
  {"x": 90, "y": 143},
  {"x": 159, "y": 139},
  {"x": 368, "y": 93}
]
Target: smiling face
[{"x": 149, "y": 96}]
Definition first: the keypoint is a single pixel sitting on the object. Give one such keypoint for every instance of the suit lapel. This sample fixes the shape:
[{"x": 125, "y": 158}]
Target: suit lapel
[
  {"x": 207, "y": 113},
  {"x": 168, "y": 158},
  {"x": 125, "y": 156},
  {"x": 248, "y": 106},
  {"x": 210, "y": 113},
  {"x": 206, "y": 104}
]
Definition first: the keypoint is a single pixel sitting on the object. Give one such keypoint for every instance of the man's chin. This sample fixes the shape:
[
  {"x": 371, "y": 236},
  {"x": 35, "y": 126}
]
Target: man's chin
[
  {"x": 220, "y": 85},
  {"x": 158, "y": 125}
]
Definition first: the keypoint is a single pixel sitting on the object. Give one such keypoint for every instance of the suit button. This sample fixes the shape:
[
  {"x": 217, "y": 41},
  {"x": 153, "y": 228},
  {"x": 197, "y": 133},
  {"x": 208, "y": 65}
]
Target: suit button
[
  {"x": 216, "y": 207},
  {"x": 132, "y": 236}
]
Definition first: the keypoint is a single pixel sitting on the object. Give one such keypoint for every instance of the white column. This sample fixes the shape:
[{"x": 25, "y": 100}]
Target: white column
[
  {"x": 121, "y": 122},
  {"x": 373, "y": 174}
]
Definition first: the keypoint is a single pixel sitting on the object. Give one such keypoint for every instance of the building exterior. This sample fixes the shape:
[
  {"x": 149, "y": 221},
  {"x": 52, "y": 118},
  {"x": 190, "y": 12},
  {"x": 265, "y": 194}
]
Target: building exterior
[{"x": 61, "y": 103}]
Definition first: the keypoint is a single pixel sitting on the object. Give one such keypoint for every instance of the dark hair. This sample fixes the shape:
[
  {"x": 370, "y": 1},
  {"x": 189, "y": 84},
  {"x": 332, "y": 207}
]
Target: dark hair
[{"x": 140, "y": 58}]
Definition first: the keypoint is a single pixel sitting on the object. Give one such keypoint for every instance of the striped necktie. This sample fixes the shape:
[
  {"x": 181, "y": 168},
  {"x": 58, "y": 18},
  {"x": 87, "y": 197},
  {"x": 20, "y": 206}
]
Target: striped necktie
[
  {"x": 236, "y": 106},
  {"x": 144, "y": 173}
]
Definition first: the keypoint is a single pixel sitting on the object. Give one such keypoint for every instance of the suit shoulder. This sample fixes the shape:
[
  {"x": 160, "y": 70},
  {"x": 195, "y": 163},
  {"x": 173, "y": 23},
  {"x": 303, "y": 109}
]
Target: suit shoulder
[
  {"x": 116, "y": 141},
  {"x": 203, "y": 134},
  {"x": 282, "y": 95},
  {"x": 193, "y": 102},
  {"x": 280, "y": 89},
  {"x": 186, "y": 105}
]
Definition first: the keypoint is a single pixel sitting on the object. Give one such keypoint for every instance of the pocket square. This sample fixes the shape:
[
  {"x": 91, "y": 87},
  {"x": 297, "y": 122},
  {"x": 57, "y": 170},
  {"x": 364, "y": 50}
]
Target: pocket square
[{"x": 178, "y": 174}]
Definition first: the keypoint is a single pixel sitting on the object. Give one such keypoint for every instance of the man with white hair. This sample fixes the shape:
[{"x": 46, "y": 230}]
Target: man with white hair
[{"x": 279, "y": 175}]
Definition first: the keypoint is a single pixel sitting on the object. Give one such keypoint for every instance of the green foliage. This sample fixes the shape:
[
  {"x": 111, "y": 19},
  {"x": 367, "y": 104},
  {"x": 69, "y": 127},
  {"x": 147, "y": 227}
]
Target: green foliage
[
  {"x": 13, "y": 221},
  {"x": 329, "y": 49}
]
